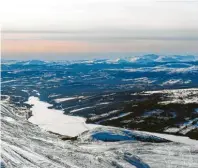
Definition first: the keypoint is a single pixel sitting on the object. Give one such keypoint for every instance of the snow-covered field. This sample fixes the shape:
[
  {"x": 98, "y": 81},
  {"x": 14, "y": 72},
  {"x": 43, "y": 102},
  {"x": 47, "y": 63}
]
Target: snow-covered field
[
  {"x": 182, "y": 96},
  {"x": 55, "y": 121},
  {"x": 25, "y": 145}
]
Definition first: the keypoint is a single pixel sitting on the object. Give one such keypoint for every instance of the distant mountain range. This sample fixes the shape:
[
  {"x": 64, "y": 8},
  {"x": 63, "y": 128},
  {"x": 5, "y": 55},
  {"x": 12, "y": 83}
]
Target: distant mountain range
[
  {"x": 157, "y": 58},
  {"x": 131, "y": 59}
]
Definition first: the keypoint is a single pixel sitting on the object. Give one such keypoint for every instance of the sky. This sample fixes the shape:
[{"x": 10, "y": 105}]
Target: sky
[{"x": 37, "y": 28}]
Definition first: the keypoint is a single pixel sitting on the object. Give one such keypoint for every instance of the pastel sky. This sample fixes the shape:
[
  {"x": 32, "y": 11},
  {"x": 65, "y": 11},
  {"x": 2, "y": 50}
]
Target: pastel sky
[{"x": 99, "y": 26}]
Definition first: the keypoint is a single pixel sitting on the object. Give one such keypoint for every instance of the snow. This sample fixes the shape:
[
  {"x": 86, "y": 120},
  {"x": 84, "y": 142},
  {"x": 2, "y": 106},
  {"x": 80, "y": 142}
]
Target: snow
[
  {"x": 59, "y": 100},
  {"x": 185, "y": 127},
  {"x": 23, "y": 90},
  {"x": 169, "y": 70},
  {"x": 37, "y": 93},
  {"x": 120, "y": 116},
  {"x": 172, "y": 130},
  {"x": 111, "y": 134},
  {"x": 140, "y": 80},
  {"x": 64, "y": 99},
  {"x": 9, "y": 81},
  {"x": 154, "y": 58},
  {"x": 53, "y": 95},
  {"x": 8, "y": 119},
  {"x": 80, "y": 109},
  {"x": 174, "y": 138},
  {"x": 175, "y": 81},
  {"x": 55, "y": 120},
  {"x": 104, "y": 103},
  {"x": 25, "y": 145},
  {"x": 182, "y": 96},
  {"x": 104, "y": 115}
]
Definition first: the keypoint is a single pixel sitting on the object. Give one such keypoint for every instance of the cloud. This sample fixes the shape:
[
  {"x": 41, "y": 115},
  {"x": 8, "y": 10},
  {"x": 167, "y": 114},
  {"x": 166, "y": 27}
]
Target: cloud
[{"x": 61, "y": 15}]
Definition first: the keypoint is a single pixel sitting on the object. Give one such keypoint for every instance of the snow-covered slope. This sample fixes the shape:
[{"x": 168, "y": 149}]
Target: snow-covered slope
[
  {"x": 155, "y": 58},
  {"x": 182, "y": 96},
  {"x": 26, "y": 145}
]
